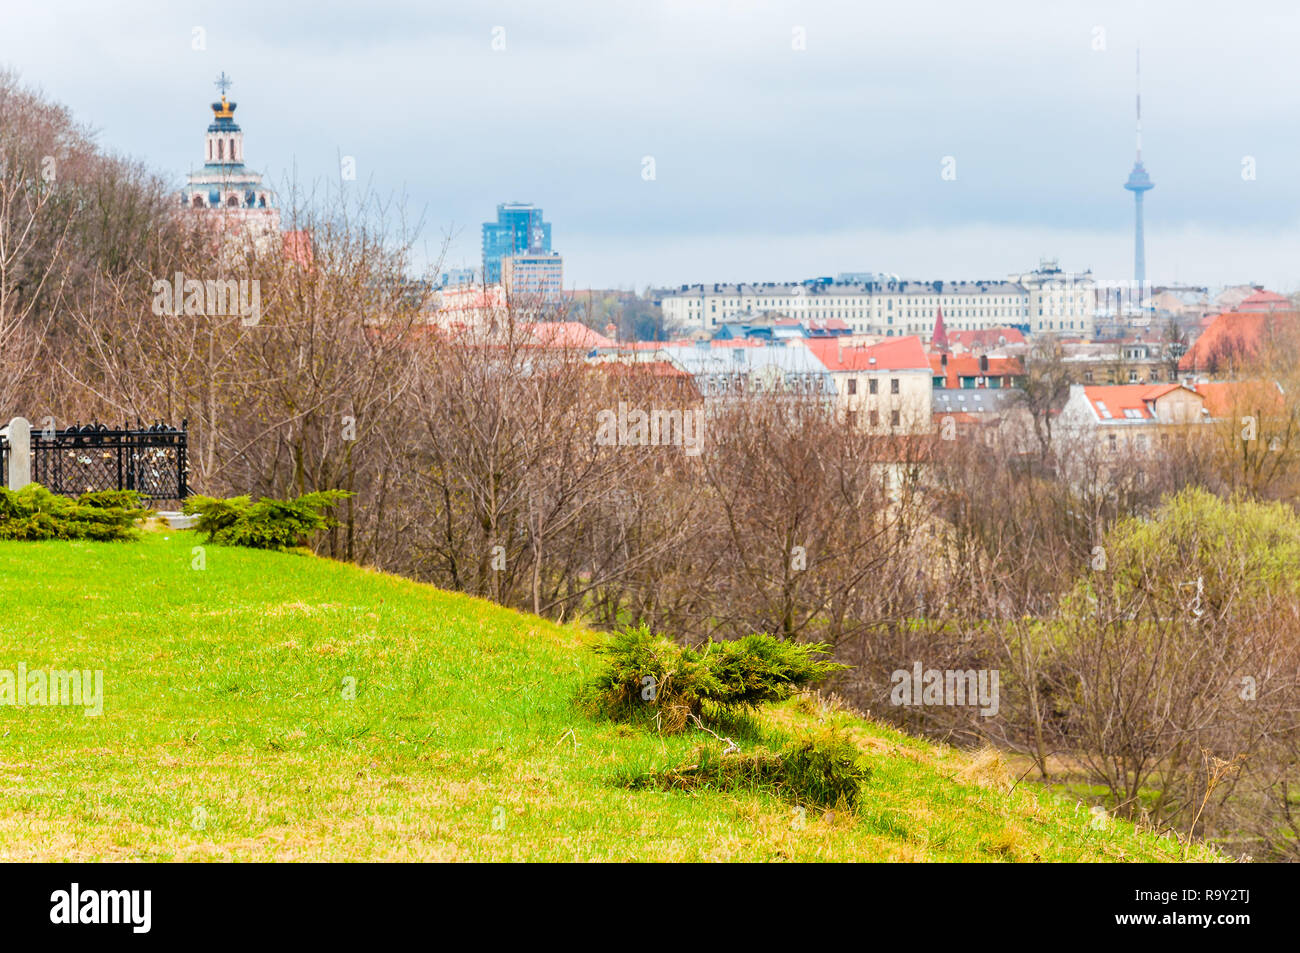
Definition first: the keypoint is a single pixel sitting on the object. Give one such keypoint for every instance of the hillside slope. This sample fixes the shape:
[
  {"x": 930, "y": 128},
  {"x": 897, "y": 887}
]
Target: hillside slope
[{"x": 226, "y": 734}]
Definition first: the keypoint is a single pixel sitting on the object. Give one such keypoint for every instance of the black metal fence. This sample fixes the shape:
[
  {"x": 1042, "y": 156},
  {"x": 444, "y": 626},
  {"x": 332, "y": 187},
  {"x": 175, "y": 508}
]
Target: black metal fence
[{"x": 150, "y": 460}]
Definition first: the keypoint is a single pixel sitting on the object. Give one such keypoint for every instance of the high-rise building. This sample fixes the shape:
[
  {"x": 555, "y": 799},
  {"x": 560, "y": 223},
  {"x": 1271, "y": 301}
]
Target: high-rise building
[
  {"x": 519, "y": 229},
  {"x": 1139, "y": 183}
]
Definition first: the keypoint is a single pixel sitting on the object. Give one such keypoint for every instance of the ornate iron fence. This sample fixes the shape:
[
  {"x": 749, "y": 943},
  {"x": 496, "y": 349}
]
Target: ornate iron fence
[{"x": 150, "y": 460}]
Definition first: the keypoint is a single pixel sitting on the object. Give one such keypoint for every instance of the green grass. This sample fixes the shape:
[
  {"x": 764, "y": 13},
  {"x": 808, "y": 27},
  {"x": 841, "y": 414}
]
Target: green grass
[{"x": 226, "y": 735}]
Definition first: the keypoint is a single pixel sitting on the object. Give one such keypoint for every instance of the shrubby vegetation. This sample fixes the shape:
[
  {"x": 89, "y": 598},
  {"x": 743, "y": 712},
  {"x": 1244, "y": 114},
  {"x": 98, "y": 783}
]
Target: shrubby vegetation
[
  {"x": 266, "y": 524},
  {"x": 34, "y": 513},
  {"x": 825, "y": 772},
  {"x": 650, "y": 678}
]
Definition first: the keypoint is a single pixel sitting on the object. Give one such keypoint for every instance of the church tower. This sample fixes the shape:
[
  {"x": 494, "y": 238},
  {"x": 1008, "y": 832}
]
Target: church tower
[{"x": 226, "y": 190}]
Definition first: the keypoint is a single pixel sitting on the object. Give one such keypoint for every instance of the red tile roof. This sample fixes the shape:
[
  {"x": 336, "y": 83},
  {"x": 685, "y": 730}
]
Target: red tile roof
[
  {"x": 968, "y": 365},
  {"x": 1118, "y": 398},
  {"x": 896, "y": 354},
  {"x": 1263, "y": 300},
  {"x": 1231, "y": 398},
  {"x": 566, "y": 334},
  {"x": 1233, "y": 336},
  {"x": 647, "y": 368}
]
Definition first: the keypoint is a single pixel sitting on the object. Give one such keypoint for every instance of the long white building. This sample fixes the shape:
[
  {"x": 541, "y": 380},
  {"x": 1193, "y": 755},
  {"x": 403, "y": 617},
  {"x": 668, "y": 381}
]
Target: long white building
[{"x": 1046, "y": 300}]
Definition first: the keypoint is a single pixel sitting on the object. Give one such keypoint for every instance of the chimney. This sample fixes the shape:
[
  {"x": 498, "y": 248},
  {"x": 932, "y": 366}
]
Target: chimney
[
  {"x": 984, "y": 363},
  {"x": 841, "y": 351},
  {"x": 943, "y": 359}
]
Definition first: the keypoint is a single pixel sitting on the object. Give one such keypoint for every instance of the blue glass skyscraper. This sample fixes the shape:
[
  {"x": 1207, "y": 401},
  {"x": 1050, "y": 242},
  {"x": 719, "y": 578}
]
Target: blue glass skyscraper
[{"x": 518, "y": 229}]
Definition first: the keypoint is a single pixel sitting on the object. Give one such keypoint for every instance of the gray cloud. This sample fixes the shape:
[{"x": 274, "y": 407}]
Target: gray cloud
[{"x": 763, "y": 153}]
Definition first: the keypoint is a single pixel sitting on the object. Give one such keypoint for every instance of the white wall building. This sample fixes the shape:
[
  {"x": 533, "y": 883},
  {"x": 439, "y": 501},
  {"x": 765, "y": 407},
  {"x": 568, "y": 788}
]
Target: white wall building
[{"x": 1046, "y": 300}]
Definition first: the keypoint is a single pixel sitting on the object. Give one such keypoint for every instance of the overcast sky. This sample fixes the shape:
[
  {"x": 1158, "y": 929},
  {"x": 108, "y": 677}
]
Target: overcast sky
[{"x": 770, "y": 162}]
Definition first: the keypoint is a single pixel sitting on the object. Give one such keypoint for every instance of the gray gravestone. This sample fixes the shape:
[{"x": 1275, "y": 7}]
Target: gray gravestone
[{"x": 20, "y": 453}]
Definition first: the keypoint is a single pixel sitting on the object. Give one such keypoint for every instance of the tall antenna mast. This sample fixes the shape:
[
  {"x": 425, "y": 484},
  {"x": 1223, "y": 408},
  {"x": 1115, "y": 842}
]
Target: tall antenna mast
[
  {"x": 1139, "y": 102},
  {"x": 1139, "y": 182}
]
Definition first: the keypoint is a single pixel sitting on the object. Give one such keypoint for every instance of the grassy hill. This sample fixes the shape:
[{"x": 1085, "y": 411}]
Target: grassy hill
[{"x": 225, "y": 734}]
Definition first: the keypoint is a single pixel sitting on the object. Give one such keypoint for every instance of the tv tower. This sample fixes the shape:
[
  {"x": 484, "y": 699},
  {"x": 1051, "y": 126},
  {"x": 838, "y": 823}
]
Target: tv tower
[{"x": 1139, "y": 182}]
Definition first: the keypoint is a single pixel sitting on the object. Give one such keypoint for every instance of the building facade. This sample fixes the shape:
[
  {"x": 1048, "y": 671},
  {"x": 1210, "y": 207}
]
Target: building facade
[
  {"x": 1129, "y": 418},
  {"x": 1045, "y": 300},
  {"x": 881, "y": 388},
  {"x": 533, "y": 273},
  {"x": 519, "y": 229}
]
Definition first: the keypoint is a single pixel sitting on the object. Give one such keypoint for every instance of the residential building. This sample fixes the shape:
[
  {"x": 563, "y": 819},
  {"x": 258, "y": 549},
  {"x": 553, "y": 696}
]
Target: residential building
[
  {"x": 971, "y": 371},
  {"x": 749, "y": 367},
  {"x": 882, "y": 388},
  {"x": 1125, "y": 361},
  {"x": 467, "y": 307},
  {"x": 1129, "y": 417},
  {"x": 985, "y": 415},
  {"x": 538, "y": 273},
  {"x": 986, "y": 340},
  {"x": 1263, "y": 300}
]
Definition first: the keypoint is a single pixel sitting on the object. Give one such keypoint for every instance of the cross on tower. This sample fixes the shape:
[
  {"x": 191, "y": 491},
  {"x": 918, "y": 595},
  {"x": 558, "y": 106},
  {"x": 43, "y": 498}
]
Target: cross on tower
[{"x": 223, "y": 83}]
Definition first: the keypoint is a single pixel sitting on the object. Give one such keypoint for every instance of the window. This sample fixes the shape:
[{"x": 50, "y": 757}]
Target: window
[
  {"x": 873, "y": 386},
  {"x": 874, "y": 417},
  {"x": 893, "y": 385},
  {"x": 853, "y": 385},
  {"x": 894, "y": 418},
  {"x": 1112, "y": 442}
]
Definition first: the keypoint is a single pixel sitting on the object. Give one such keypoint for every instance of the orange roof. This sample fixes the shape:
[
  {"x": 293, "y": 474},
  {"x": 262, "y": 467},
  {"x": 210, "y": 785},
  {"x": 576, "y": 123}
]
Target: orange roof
[
  {"x": 1231, "y": 335},
  {"x": 648, "y": 368},
  {"x": 573, "y": 334},
  {"x": 1230, "y": 398},
  {"x": 897, "y": 354},
  {"x": 1111, "y": 401},
  {"x": 968, "y": 365},
  {"x": 958, "y": 416},
  {"x": 1263, "y": 300}
]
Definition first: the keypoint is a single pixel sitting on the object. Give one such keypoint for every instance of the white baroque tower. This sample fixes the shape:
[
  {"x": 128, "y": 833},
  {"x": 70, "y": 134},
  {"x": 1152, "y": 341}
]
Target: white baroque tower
[{"x": 225, "y": 190}]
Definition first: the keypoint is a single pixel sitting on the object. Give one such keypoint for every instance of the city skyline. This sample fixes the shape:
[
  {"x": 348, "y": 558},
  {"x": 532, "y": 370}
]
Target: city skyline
[{"x": 797, "y": 140}]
